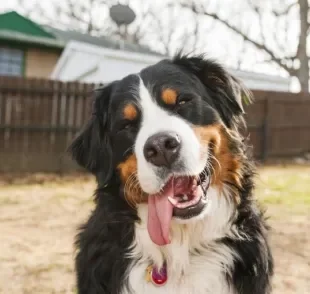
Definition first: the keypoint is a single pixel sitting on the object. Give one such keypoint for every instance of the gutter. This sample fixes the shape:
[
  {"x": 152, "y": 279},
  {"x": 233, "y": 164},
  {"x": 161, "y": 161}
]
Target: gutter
[{"x": 12, "y": 36}]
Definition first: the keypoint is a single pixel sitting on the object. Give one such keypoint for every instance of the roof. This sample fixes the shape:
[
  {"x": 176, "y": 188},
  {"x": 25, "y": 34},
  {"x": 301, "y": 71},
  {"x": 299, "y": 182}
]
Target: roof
[
  {"x": 12, "y": 21},
  {"x": 19, "y": 29},
  {"x": 102, "y": 41},
  {"x": 260, "y": 81},
  {"x": 20, "y": 38}
]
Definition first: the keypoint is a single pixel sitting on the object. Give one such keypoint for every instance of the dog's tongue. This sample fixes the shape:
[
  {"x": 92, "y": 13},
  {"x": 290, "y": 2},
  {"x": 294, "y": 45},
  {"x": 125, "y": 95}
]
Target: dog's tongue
[
  {"x": 160, "y": 209},
  {"x": 160, "y": 215}
]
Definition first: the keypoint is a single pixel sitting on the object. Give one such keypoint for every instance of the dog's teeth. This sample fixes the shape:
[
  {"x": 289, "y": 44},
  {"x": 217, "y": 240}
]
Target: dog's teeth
[
  {"x": 173, "y": 201},
  {"x": 185, "y": 197}
]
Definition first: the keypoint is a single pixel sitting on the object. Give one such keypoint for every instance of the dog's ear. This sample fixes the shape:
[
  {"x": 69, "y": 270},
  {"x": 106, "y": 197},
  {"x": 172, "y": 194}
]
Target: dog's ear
[
  {"x": 227, "y": 92},
  {"x": 91, "y": 148}
]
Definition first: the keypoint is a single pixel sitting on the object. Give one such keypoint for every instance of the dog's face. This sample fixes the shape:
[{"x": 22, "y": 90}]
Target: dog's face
[{"x": 165, "y": 136}]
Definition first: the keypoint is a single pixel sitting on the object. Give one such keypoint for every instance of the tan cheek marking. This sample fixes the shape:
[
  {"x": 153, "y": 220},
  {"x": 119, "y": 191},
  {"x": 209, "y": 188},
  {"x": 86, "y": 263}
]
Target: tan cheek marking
[
  {"x": 226, "y": 166},
  {"x": 130, "y": 112},
  {"x": 209, "y": 135},
  {"x": 169, "y": 96},
  {"x": 128, "y": 167},
  {"x": 128, "y": 174}
]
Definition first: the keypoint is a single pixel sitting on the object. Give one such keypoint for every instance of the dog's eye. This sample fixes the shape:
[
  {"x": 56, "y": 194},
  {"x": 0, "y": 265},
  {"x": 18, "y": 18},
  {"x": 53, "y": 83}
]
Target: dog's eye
[
  {"x": 126, "y": 126},
  {"x": 183, "y": 100}
]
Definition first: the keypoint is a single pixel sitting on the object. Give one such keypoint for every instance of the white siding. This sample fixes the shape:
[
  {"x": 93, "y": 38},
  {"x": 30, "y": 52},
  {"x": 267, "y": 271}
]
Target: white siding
[{"x": 89, "y": 63}]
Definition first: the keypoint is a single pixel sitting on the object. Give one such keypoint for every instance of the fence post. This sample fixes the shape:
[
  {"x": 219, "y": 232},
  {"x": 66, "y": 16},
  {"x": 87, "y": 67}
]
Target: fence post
[{"x": 266, "y": 129}]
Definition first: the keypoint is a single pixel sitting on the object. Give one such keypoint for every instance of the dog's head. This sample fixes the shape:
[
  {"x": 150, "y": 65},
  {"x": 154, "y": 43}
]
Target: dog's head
[{"x": 166, "y": 136}]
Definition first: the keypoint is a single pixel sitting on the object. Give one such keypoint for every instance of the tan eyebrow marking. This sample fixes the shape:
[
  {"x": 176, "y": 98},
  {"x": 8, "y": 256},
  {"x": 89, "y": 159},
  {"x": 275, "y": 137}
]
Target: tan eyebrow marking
[
  {"x": 169, "y": 96},
  {"x": 130, "y": 112}
]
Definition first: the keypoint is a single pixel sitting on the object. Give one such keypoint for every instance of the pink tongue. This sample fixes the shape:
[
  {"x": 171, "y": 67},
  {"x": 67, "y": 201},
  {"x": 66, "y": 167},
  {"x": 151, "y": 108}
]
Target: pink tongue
[{"x": 160, "y": 215}]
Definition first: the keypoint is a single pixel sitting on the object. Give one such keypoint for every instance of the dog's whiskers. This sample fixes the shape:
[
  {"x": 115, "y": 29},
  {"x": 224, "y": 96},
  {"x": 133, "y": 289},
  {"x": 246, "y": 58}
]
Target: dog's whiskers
[{"x": 133, "y": 189}]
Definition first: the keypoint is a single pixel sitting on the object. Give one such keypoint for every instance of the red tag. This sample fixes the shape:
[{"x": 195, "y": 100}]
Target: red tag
[{"x": 158, "y": 277}]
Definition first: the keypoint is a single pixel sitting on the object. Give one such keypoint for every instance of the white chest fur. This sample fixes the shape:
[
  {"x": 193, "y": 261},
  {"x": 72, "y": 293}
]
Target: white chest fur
[
  {"x": 203, "y": 275},
  {"x": 196, "y": 264}
]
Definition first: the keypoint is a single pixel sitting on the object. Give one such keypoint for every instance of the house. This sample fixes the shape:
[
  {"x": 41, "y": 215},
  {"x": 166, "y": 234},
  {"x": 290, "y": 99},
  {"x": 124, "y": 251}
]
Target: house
[
  {"x": 90, "y": 63},
  {"x": 260, "y": 81},
  {"x": 28, "y": 49},
  {"x": 86, "y": 62}
]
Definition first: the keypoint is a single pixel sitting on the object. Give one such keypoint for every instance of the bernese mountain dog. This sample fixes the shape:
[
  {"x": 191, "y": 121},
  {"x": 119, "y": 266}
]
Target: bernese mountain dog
[{"x": 174, "y": 206}]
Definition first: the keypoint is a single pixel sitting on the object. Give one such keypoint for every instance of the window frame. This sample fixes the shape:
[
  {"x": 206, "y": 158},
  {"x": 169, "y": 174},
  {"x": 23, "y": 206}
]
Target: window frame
[{"x": 13, "y": 62}]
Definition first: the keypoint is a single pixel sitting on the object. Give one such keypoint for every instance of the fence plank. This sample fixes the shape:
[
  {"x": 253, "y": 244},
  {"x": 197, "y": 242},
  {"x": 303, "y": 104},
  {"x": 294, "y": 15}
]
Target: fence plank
[{"x": 39, "y": 118}]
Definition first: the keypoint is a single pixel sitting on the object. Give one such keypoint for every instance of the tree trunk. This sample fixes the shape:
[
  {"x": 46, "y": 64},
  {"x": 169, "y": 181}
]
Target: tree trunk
[{"x": 303, "y": 71}]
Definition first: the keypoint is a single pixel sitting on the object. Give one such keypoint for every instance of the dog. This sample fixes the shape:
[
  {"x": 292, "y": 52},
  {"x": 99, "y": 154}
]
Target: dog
[{"x": 174, "y": 206}]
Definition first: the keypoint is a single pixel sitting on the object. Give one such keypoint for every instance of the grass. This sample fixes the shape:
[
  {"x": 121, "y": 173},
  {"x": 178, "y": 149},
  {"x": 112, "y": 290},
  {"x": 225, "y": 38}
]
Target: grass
[
  {"x": 39, "y": 216},
  {"x": 285, "y": 186}
]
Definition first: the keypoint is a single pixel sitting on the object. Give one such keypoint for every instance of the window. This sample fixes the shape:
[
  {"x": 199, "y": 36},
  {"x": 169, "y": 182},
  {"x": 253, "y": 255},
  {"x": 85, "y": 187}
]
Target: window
[{"x": 11, "y": 62}]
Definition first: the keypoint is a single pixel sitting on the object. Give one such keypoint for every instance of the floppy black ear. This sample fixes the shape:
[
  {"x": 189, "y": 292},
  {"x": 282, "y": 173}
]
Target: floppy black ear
[
  {"x": 226, "y": 91},
  {"x": 91, "y": 148}
]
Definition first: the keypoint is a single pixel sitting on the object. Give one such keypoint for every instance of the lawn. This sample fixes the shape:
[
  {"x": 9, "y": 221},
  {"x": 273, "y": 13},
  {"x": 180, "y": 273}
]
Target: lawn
[{"x": 39, "y": 215}]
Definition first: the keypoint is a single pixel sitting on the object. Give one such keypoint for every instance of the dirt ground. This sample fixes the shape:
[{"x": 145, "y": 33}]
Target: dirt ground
[{"x": 39, "y": 215}]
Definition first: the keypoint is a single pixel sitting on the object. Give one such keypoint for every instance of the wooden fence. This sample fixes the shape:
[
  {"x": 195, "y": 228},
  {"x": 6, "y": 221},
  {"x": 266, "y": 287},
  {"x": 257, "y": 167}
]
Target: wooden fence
[
  {"x": 39, "y": 118},
  {"x": 279, "y": 124}
]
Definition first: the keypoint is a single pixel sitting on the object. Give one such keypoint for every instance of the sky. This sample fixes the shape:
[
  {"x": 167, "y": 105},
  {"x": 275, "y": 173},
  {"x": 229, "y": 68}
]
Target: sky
[{"x": 219, "y": 42}]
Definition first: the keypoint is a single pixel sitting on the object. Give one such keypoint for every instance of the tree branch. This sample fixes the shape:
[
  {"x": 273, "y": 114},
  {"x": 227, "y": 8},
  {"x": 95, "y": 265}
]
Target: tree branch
[
  {"x": 260, "y": 19},
  {"x": 238, "y": 31},
  {"x": 285, "y": 11}
]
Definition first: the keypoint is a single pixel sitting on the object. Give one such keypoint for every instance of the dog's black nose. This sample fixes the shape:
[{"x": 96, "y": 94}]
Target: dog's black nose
[{"x": 162, "y": 149}]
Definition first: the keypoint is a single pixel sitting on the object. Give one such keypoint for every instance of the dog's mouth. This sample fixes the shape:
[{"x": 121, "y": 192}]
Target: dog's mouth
[
  {"x": 190, "y": 196},
  {"x": 182, "y": 197}
]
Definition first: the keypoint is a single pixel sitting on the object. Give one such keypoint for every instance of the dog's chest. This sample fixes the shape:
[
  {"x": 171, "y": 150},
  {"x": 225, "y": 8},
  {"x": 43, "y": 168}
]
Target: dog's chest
[
  {"x": 199, "y": 271},
  {"x": 199, "y": 278},
  {"x": 196, "y": 264}
]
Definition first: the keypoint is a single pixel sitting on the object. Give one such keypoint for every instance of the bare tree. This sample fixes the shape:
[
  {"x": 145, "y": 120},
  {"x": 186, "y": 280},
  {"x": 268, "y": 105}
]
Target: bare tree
[
  {"x": 283, "y": 44},
  {"x": 172, "y": 33},
  {"x": 157, "y": 26}
]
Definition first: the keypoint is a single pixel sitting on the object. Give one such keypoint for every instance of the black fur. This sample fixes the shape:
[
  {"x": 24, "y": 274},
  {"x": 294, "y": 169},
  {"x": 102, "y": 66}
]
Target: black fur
[
  {"x": 253, "y": 270},
  {"x": 103, "y": 242},
  {"x": 92, "y": 148}
]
